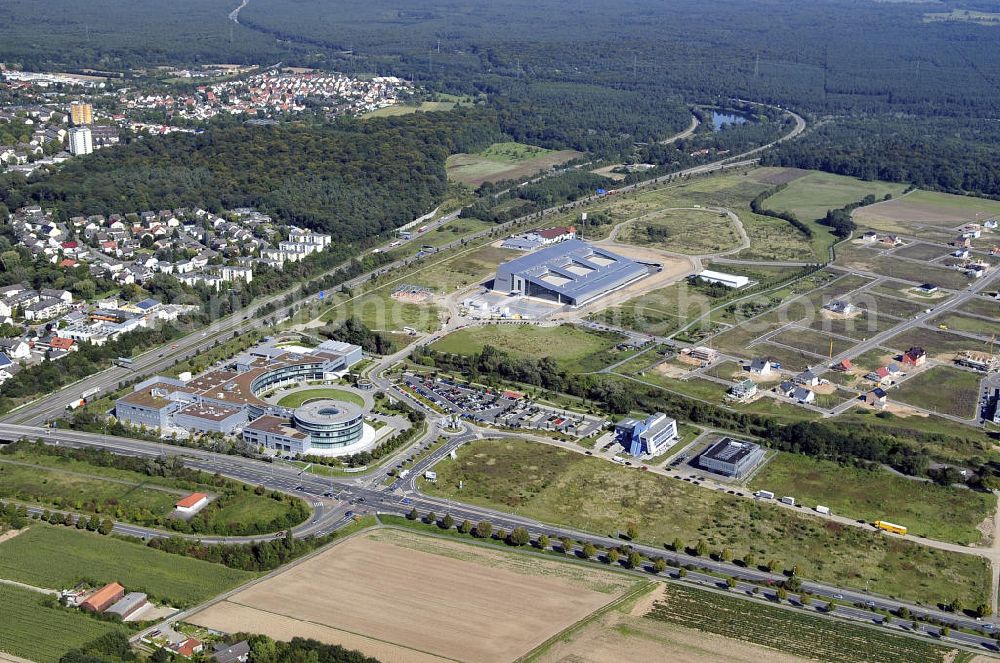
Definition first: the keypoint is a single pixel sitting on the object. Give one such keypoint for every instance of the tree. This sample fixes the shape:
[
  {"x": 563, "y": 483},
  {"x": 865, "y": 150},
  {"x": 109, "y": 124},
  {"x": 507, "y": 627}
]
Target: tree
[
  {"x": 632, "y": 531},
  {"x": 634, "y": 560},
  {"x": 589, "y": 550},
  {"x": 726, "y": 555},
  {"x": 659, "y": 565},
  {"x": 430, "y": 518},
  {"x": 543, "y": 541},
  {"x": 566, "y": 544},
  {"x": 465, "y": 527},
  {"x": 682, "y": 573},
  {"x": 955, "y": 605},
  {"x": 749, "y": 560},
  {"x": 447, "y": 522},
  {"x": 886, "y": 619},
  {"x": 520, "y": 537},
  {"x": 781, "y": 593},
  {"x": 613, "y": 556},
  {"x": 702, "y": 548},
  {"x": 795, "y": 570},
  {"x": 731, "y": 582},
  {"x": 944, "y": 631},
  {"x": 903, "y": 612},
  {"x": 484, "y": 529},
  {"x": 106, "y": 526},
  {"x": 677, "y": 545},
  {"x": 983, "y": 610},
  {"x": 773, "y": 565},
  {"x": 413, "y": 514},
  {"x": 805, "y": 599},
  {"x": 161, "y": 655}
]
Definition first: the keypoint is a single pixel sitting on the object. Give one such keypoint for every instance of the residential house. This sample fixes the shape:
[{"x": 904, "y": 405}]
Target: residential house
[
  {"x": 760, "y": 366},
  {"x": 915, "y": 356},
  {"x": 807, "y": 378},
  {"x": 786, "y": 388},
  {"x": 870, "y": 236},
  {"x": 844, "y": 366},
  {"x": 15, "y": 348},
  {"x": 744, "y": 390},
  {"x": 876, "y": 397},
  {"x": 803, "y": 395}
]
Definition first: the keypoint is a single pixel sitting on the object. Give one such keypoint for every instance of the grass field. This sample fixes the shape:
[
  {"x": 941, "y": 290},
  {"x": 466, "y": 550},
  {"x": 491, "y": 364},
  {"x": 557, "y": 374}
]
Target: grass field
[
  {"x": 446, "y": 102},
  {"x": 35, "y": 629},
  {"x": 61, "y": 482},
  {"x": 981, "y": 306},
  {"x": 661, "y": 311},
  {"x": 925, "y": 208},
  {"x": 795, "y": 632},
  {"x": 557, "y": 486},
  {"x": 57, "y": 557},
  {"x": 504, "y": 161},
  {"x": 682, "y": 230},
  {"x": 812, "y": 341},
  {"x": 938, "y": 343},
  {"x": 930, "y": 510},
  {"x": 775, "y": 239},
  {"x": 410, "y": 597},
  {"x": 566, "y": 344},
  {"x": 463, "y": 270},
  {"x": 809, "y": 197},
  {"x": 299, "y": 397},
  {"x": 378, "y": 310},
  {"x": 967, "y": 323},
  {"x": 941, "y": 389}
]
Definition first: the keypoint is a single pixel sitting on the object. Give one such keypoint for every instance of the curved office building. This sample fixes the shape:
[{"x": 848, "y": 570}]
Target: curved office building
[{"x": 330, "y": 424}]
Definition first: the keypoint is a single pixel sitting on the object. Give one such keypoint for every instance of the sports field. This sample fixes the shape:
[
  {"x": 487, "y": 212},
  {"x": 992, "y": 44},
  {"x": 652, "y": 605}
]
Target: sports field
[
  {"x": 57, "y": 557},
  {"x": 930, "y": 510},
  {"x": 505, "y": 161},
  {"x": 400, "y": 596},
  {"x": 36, "y": 628},
  {"x": 809, "y": 197},
  {"x": 558, "y": 486},
  {"x": 299, "y": 397},
  {"x": 565, "y": 343}
]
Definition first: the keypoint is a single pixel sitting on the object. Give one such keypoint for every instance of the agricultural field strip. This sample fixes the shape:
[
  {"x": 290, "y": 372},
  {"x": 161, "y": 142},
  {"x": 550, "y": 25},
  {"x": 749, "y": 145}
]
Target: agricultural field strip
[{"x": 104, "y": 479}]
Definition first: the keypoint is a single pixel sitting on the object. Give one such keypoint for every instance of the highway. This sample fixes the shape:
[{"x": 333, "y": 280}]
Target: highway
[{"x": 333, "y": 497}]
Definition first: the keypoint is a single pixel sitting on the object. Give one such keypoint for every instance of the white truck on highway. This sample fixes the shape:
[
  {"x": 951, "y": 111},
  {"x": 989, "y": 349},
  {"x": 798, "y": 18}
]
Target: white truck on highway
[
  {"x": 404, "y": 474},
  {"x": 75, "y": 404},
  {"x": 790, "y": 501},
  {"x": 825, "y": 510},
  {"x": 764, "y": 494}
]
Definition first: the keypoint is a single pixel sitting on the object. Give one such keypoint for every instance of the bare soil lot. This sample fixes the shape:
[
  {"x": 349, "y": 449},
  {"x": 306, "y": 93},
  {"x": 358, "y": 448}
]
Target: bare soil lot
[
  {"x": 404, "y": 597},
  {"x": 924, "y": 208}
]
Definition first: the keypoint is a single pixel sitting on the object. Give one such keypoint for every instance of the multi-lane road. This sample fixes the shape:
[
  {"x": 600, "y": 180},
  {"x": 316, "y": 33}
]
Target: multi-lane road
[{"x": 334, "y": 497}]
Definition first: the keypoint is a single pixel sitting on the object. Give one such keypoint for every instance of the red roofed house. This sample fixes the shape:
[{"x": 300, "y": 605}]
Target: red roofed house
[
  {"x": 914, "y": 356},
  {"x": 192, "y": 503},
  {"x": 188, "y": 648},
  {"x": 67, "y": 263},
  {"x": 103, "y": 598},
  {"x": 61, "y": 343},
  {"x": 844, "y": 366}
]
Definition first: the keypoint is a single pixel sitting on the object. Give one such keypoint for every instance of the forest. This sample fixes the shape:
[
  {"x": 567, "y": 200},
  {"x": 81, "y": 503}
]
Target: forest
[
  {"x": 931, "y": 153},
  {"x": 344, "y": 178}
]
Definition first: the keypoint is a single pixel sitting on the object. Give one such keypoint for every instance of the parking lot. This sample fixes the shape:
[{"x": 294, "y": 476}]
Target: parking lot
[{"x": 505, "y": 409}]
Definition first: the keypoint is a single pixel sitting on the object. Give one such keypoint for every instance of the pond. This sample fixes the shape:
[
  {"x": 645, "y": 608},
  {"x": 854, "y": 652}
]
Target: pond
[{"x": 721, "y": 120}]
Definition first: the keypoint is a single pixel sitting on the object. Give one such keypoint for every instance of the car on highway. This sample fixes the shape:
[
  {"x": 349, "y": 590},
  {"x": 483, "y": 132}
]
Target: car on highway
[
  {"x": 300, "y": 488},
  {"x": 349, "y": 514},
  {"x": 328, "y": 493}
]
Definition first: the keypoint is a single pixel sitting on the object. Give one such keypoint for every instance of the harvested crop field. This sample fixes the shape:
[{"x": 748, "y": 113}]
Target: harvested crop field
[
  {"x": 505, "y": 161},
  {"x": 624, "y": 634},
  {"x": 404, "y": 597},
  {"x": 925, "y": 208}
]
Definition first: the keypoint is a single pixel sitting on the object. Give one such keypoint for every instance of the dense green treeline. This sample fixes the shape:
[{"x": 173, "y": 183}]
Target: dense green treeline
[
  {"x": 935, "y": 153},
  {"x": 344, "y": 178}
]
